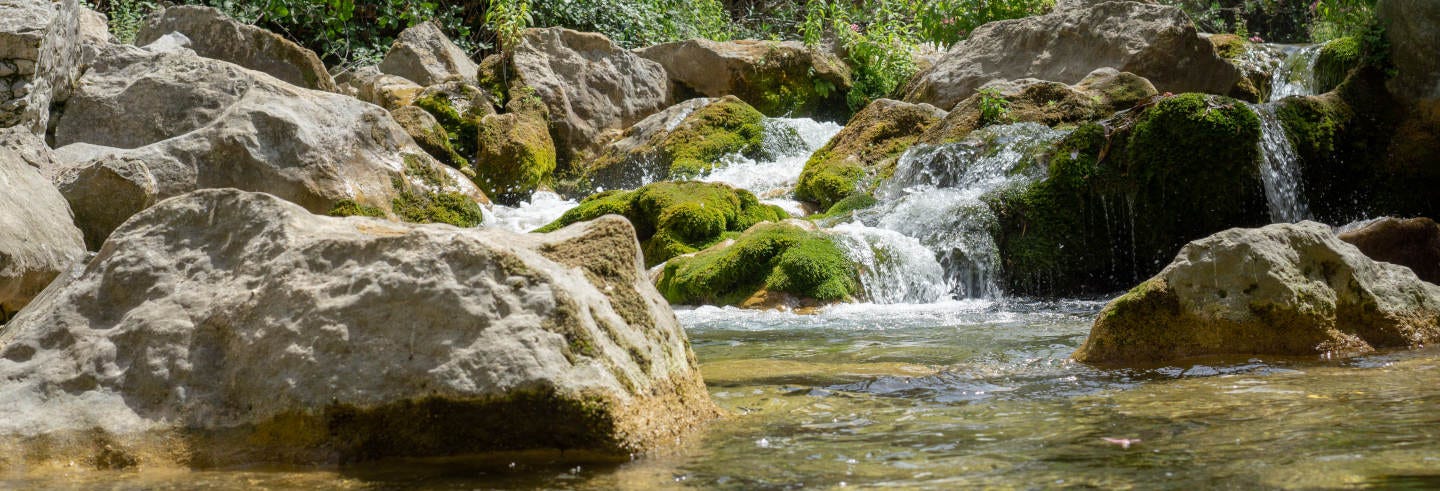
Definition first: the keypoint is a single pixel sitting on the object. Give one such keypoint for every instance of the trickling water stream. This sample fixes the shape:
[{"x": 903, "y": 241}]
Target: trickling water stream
[
  {"x": 1296, "y": 76},
  {"x": 1280, "y": 169}
]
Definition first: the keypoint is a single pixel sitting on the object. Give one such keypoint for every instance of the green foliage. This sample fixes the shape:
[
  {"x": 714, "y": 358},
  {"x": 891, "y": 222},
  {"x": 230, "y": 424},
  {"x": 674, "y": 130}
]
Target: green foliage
[
  {"x": 946, "y": 22},
  {"x": 508, "y": 20},
  {"x": 1335, "y": 19},
  {"x": 775, "y": 256},
  {"x": 674, "y": 218},
  {"x": 638, "y": 23},
  {"x": 126, "y": 16},
  {"x": 1284, "y": 21},
  {"x": 993, "y": 107}
]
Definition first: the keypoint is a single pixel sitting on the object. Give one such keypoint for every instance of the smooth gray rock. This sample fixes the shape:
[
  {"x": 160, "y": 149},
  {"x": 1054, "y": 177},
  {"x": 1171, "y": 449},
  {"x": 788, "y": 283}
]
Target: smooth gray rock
[
  {"x": 593, "y": 88},
  {"x": 425, "y": 56},
  {"x": 214, "y": 35},
  {"x": 755, "y": 71},
  {"x": 1156, "y": 42},
  {"x": 255, "y": 331},
  {"x": 38, "y": 239},
  {"x": 1278, "y": 290}
]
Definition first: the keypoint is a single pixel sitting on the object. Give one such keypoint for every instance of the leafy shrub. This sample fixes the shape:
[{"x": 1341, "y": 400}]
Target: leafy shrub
[{"x": 636, "y": 23}]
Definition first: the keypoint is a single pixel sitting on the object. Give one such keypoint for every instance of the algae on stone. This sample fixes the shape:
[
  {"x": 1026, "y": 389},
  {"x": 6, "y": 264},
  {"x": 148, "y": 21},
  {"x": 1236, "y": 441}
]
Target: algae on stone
[
  {"x": 515, "y": 155},
  {"x": 681, "y": 142},
  {"x": 769, "y": 257},
  {"x": 674, "y": 218}
]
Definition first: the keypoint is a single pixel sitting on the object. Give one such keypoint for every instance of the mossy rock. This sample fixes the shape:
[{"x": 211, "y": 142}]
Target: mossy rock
[
  {"x": 1363, "y": 153},
  {"x": 514, "y": 155},
  {"x": 674, "y": 218},
  {"x": 865, "y": 151},
  {"x": 1100, "y": 94},
  {"x": 431, "y": 136},
  {"x": 458, "y": 107},
  {"x": 1229, "y": 46},
  {"x": 1122, "y": 197},
  {"x": 1335, "y": 61},
  {"x": 769, "y": 257},
  {"x": 433, "y": 200},
  {"x": 681, "y": 142}
]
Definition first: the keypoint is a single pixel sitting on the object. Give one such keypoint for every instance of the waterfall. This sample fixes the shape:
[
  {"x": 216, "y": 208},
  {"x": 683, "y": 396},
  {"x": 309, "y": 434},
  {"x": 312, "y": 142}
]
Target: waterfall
[
  {"x": 936, "y": 197},
  {"x": 1279, "y": 169},
  {"x": 1296, "y": 76},
  {"x": 894, "y": 268}
]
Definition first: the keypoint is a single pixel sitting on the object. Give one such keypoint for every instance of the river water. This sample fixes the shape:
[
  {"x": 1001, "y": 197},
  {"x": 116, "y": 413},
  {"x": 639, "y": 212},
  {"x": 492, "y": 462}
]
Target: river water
[{"x": 928, "y": 387}]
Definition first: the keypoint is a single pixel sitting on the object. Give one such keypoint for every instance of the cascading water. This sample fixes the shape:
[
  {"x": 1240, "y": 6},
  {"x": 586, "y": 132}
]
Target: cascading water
[
  {"x": 894, "y": 268},
  {"x": 1296, "y": 76},
  {"x": 936, "y": 198},
  {"x": 542, "y": 208},
  {"x": 1280, "y": 169}
]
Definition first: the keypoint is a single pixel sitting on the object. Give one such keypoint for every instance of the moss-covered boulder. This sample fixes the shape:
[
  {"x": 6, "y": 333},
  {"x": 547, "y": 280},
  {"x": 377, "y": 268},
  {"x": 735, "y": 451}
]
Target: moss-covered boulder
[
  {"x": 1122, "y": 196},
  {"x": 680, "y": 142},
  {"x": 429, "y": 196},
  {"x": 458, "y": 107},
  {"x": 1285, "y": 289},
  {"x": 515, "y": 155},
  {"x": 780, "y": 78},
  {"x": 1363, "y": 153},
  {"x": 769, "y": 261},
  {"x": 1335, "y": 61},
  {"x": 1100, "y": 94},
  {"x": 865, "y": 151},
  {"x": 431, "y": 136},
  {"x": 674, "y": 218}
]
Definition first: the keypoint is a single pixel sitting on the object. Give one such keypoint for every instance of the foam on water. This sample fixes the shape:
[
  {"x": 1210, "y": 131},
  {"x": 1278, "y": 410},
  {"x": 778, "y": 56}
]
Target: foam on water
[
  {"x": 774, "y": 178},
  {"x": 542, "y": 208}
]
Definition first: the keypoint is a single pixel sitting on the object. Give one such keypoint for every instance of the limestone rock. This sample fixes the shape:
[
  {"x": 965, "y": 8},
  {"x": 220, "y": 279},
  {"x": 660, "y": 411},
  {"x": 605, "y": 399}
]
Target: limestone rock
[
  {"x": 257, "y": 332},
  {"x": 20, "y": 143},
  {"x": 22, "y": 26},
  {"x": 777, "y": 78},
  {"x": 683, "y": 141},
  {"x": 865, "y": 151},
  {"x": 1278, "y": 290},
  {"x": 384, "y": 90},
  {"x": 424, "y": 55},
  {"x": 212, "y": 34},
  {"x": 106, "y": 192},
  {"x": 1100, "y": 94},
  {"x": 202, "y": 123},
  {"x": 1413, "y": 29},
  {"x": 38, "y": 240},
  {"x": 1413, "y": 243},
  {"x": 1155, "y": 42},
  {"x": 592, "y": 87}
]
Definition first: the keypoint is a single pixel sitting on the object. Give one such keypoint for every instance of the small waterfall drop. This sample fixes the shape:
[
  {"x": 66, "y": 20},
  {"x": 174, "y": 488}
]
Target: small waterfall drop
[
  {"x": 937, "y": 198},
  {"x": 1296, "y": 76},
  {"x": 1280, "y": 169},
  {"x": 894, "y": 268}
]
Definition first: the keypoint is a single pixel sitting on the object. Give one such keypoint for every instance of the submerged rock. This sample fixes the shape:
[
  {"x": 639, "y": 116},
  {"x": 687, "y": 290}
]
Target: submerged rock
[
  {"x": 775, "y": 264},
  {"x": 212, "y": 34},
  {"x": 674, "y": 218},
  {"x": 592, "y": 87},
  {"x": 680, "y": 142},
  {"x": 254, "y": 332},
  {"x": 200, "y": 123},
  {"x": 779, "y": 78},
  {"x": 38, "y": 240},
  {"x": 1278, "y": 290},
  {"x": 865, "y": 151},
  {"x": 1156, "y": 42},
  {"x": 1413, "y": 243},
  {"x": 425, "y": 56}
]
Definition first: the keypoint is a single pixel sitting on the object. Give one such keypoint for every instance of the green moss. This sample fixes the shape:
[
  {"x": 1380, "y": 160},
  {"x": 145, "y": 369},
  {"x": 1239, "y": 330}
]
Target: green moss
[
  {"x": 726, "y": 127},
  {"x": 1121, "y": 198},
  {"x": 515, "y": 156},
  {"x": 674, "y": 218},
  {"x": 846, "y": 206},
  {"x": 864, "y": 153},
  {"x": 416, "y": 167},
  {"x": 446, "y": 207},
  {"x": 1335, "y": 61},
  {"x": 460, "y": 128},
  {"x": 776, "y": 256},
  {"x": 349, "y": 208},
  {"x": 431, "y": 137},
  {"x": 1229, "y": 46}
]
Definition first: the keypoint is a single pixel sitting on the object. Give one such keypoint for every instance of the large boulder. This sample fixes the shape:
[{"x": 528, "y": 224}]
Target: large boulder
[
  {"x": 1100, "y": 94},
  {"x": 38, "y": 240},
  {"x": 593, "y": 88},
  {"x": 215, "y": 35},
  {"x": 1156, "y": 42},
  {"x": 772, "y": 264},
  {"x": 202, "y": 123},
  {"x": 105, "y": 192},
  {"x": 1278, "y": 290},
  {"x": 779, "y": 78},
  {"x": 22, "y": 26},
  {"x": 424, "y": 55},
  {"x": 681, "y": 142},
  {"x": 1413, "y": 29},
  {"x": 864, "y": 153},
  {"x": 674, "y": 218},
  {"x": 514, "y": 155},
  {"x": 254, "y": 331},
  {"x": 1413, "y": 243}
]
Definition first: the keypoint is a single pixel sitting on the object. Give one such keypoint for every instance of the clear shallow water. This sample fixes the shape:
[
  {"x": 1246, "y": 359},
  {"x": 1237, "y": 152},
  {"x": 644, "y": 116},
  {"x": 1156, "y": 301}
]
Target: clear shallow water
[{"x": 964, "y": 394}]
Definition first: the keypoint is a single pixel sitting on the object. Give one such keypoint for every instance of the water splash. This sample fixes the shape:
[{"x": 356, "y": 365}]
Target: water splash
[
  {"x": 774, "y": 178},
  {"x": 894, "y": 268},
  {"x": 1296, "y": 76},
  {"x": 936, "y": 197},
  {"x": 1280, "y": 169},
  {"x": 542, "y": 208}
]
